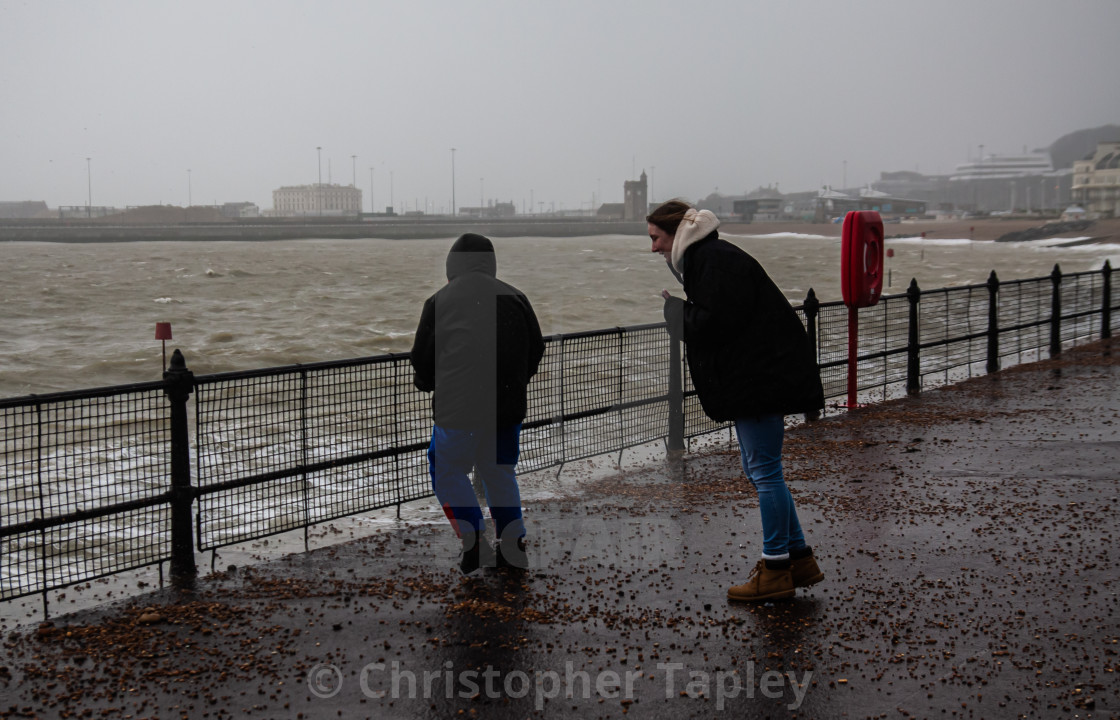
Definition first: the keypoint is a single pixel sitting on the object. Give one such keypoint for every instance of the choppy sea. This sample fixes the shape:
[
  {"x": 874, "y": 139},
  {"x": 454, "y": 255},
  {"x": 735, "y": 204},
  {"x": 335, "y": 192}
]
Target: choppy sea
[{"x": 83, "y": 315}]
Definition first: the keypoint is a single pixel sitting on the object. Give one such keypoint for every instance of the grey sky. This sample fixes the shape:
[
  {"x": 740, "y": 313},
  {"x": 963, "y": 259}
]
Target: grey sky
[{"x": 564, "y": 99}]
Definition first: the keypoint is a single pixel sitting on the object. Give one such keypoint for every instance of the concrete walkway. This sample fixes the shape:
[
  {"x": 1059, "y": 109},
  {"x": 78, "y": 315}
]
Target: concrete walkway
[{"x": 967, "y": 537}]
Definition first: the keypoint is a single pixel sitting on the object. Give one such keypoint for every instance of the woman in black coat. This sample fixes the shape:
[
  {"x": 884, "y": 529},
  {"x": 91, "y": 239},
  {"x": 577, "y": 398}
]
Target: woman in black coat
[{"x": 751, "y": 363}]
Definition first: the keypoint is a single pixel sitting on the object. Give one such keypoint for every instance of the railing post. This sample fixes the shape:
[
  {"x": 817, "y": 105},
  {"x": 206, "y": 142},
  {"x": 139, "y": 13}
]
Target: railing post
[
  {"x": 1106, "y": 300},
  {"x": 812, "y": 308},
  {"x": 993, "y": 323},
  {"x": 180, "y": 383},
  {"x": 913, "y": 358},
  {"x": 1056, "y": 312},
  {"x": 676, "y": 395}
]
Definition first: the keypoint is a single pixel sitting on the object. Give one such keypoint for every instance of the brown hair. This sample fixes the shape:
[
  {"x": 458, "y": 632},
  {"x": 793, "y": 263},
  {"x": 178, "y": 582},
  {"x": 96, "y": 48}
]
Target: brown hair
[{"x": 668, "y": 216}]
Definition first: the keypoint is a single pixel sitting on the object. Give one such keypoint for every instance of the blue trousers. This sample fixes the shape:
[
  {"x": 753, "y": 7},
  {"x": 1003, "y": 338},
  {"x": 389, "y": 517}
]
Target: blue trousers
[
  {"x": 760, "y": 446},
  {"x": 493, "y": 454}
]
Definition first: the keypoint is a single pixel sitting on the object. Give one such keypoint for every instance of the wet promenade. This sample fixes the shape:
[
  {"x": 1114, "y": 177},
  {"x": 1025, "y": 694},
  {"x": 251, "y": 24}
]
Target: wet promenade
[{"x": 967, "y": 538}]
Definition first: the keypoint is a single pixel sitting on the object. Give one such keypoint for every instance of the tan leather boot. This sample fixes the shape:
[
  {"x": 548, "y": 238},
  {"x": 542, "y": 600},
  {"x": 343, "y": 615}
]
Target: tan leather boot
[
  {"x": 805, "y": 572},
  {"x": 763, "y": 584}
]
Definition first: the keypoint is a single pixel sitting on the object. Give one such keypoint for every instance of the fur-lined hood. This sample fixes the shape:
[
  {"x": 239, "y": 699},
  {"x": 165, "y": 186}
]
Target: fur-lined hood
[{"x": 696, "y": 225}]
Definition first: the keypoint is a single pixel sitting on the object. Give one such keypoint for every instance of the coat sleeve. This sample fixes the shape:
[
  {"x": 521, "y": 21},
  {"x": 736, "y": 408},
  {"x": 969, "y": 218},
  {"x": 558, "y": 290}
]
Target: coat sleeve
[
  {"x": 423, "y": 355},
  {"x": 535, "y": 340}
]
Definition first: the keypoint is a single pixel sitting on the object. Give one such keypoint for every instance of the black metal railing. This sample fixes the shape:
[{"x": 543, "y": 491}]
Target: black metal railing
[{"x": 102, "y": 481}]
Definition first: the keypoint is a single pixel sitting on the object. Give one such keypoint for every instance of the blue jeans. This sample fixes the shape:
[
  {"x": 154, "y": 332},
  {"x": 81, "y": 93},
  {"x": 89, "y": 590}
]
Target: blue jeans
[
  {"x": 493, "y": 454},
  {"x": 760, "y": 446}
]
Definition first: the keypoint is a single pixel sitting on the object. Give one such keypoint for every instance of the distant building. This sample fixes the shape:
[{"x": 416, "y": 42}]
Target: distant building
[
  {"x": 635, "y": 205},
  {"x": 758, "y": 209},
  {"x": 68, "y": 212},
  {"x": 832, "y": 204},
  {"x": 1096, "y": 181},
  {"x": 889, "y": 206},
  {"x": 1011, "y": 183},
  {"x": 240, "y": 210},
  {"x": 767, "y": 204},
  {"x": 315, "y": 200},
  {"x": 906, "y": 183},
  {"x": 1003, "y": 167},
  {"x": 492, "y": 211},
  {"x": 610, "y": 211},
  {"x": 1001, "y": 184},
  {"x": 24, "y": 210}
]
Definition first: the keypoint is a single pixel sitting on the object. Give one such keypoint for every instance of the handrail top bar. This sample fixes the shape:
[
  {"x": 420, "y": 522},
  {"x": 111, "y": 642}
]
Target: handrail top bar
[
  {"x": 392, "y": 357},
  {"x": 64, "y": 395},
  {"x": 975, "y": 286},
  {"x": 603, "y": 331},
  {"x": 298, "y": 367}
]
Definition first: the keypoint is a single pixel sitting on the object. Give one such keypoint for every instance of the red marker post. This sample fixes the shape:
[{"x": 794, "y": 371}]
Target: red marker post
[
  {"x": 861, "y": 279},
  {"x": 163, "y": 332}
]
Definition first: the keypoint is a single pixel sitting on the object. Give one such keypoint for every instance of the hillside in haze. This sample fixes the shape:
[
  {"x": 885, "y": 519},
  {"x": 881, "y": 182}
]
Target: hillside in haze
[{"x": 1080, "y": 143}]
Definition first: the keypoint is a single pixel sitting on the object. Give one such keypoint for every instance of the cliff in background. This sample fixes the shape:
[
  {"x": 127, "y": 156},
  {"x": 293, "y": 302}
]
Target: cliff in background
[{"x": 1081, "y": 143}]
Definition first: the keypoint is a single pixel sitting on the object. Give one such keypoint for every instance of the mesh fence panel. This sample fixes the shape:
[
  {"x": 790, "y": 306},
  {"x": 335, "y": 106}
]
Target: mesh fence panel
[
  {"x": 882, "y": 343},
  {"x": 591, "y": 382},
  {"x": 955, "y": 319},
  {"x": 543, "y": 446},
  {"x": 1024, "y": 314},
  {"x": 832, "y": 348},
  {"x": 90, "y": 471},
  {"x": 342, "y": 438},
  {"x": 645, "y": 380},
  {"x": 248, "y": 426},
  {"x": 1082, "y": 297},
  {"x": 280, "y": 450}
]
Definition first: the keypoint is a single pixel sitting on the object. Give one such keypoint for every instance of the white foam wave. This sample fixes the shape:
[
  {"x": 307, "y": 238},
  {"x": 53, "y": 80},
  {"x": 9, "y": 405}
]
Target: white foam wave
[
  {"x": 1063, "y": 244},
  {"x": 941, "y": 242},
  {"x": 783, "y": 236}
]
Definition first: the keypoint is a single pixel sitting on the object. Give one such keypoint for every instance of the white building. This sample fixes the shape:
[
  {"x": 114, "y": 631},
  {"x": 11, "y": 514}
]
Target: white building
[
  {"x": 316, "y": 200},
  {"x": 1096, "y": 181},
  {"x": 1003, "y": 167}
]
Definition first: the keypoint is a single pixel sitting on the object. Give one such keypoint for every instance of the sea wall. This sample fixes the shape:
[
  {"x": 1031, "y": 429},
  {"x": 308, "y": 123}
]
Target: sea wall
[{"x": 395, "y": 229}]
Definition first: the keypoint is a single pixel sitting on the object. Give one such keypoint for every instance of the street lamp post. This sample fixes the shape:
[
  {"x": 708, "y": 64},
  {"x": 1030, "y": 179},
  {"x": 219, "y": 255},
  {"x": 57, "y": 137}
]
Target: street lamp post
[
  {"x": 453, "y": 182},
  {"x": 354, "y": 179},
  {"x": 481, "y": 197},
  {"x": 319, "y": 187},
  {"x": 372, "y": 209},
  {"x": 89, "y": 191},
  {"x": 190, "y": 202}
]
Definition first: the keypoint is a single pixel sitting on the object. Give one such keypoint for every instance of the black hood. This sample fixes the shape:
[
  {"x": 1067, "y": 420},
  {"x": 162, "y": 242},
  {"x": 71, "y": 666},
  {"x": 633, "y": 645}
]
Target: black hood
[{"x": 471, "y": 253}]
